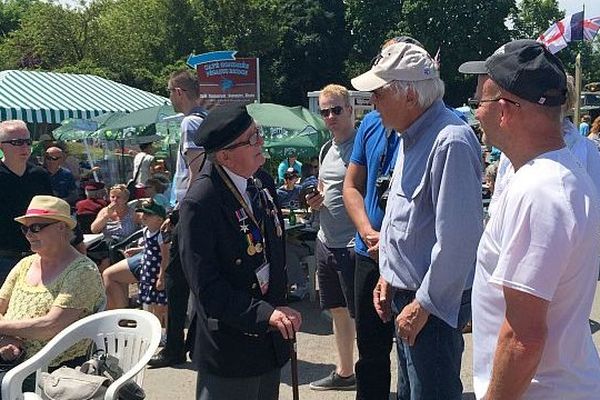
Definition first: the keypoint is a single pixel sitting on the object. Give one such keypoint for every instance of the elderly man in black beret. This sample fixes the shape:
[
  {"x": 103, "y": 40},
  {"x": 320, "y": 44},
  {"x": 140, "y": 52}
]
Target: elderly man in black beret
[{"x": 232, "y": 253}]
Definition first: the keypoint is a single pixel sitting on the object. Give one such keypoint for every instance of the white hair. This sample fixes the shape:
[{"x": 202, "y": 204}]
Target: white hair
[
  {"x": 427, "y": 91},
  {"x": 11, "y": 125}
]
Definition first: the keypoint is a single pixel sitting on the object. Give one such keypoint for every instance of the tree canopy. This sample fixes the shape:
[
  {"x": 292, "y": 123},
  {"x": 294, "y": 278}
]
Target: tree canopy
[{"x": 302, "y": 44}]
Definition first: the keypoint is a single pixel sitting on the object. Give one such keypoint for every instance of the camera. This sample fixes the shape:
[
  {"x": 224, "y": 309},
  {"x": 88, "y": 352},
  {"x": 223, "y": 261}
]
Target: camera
[{"x": 382, "y": 185}]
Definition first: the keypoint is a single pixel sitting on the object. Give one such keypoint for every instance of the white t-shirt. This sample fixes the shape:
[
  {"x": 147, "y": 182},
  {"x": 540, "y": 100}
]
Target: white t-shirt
[
  {"x": 584, "y": 149},
  {"x": 142, "y": 162},
  {"x": 543, "y": 239}
]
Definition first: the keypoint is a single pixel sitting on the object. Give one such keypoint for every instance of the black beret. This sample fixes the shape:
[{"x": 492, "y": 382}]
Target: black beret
[{"x": 222, "y": 126}]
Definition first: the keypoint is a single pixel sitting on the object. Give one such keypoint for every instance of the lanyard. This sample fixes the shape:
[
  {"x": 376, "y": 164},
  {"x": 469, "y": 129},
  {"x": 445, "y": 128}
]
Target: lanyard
[{"x": 258, "y": 247}]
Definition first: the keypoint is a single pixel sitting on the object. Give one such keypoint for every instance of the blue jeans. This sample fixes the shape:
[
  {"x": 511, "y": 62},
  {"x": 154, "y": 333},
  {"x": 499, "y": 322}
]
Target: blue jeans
[
  {"x": 6, "y": 264},
  {"x": 430, "y": 369}
]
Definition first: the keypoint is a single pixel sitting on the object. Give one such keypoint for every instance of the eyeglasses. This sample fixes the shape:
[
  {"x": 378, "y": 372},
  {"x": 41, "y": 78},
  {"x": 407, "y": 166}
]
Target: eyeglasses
[
  {"x": 36, "y": 228},
  {"x": 18, "y": 142},
  {"x": 475, "y": 103},
  {"x": 49, "y": 157},
  {"x": 337, "y": 110},
  {"x": 252, "y": 141}
]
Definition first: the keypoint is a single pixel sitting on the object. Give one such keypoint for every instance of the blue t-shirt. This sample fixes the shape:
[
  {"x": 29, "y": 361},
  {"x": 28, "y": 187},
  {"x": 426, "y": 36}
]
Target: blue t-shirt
[
  {"x": 284, "y": 165},
  {"x": 289, "y": 198},
  {"x": 375, "y": 150},
  {"x": 584, "y": 129},
  {"x": 63, "y": 183}
]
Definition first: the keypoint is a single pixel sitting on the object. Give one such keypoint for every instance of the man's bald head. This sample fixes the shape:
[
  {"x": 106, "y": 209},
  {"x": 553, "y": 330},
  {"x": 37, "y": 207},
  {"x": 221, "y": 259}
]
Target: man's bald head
[{"x": 54, "y": 151}]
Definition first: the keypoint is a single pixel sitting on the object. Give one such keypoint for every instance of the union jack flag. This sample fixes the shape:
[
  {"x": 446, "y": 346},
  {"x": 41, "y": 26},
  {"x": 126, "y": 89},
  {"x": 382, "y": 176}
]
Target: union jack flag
[{"x": 590, "y": 28}]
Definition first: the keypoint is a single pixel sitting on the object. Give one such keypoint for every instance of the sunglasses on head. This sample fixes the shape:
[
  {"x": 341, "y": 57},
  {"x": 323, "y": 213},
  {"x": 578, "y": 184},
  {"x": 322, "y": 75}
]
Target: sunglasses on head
[
  {"x": 18, "y": 142},
  {"x": 36, "y": 228},
  {"x": 49, "y": 157},
  {"x": 337, "y": 110}
]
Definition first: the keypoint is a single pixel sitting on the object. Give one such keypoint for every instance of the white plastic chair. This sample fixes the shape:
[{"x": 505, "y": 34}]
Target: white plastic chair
[{"x": 132, "y": 336}]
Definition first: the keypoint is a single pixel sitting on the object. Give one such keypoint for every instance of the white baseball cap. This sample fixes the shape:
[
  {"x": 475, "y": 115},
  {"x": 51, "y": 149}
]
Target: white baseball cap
[{"x": 398, "y": 62}]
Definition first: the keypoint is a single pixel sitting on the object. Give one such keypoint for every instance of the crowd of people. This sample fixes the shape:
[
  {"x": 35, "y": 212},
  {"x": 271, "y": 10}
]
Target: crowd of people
[{"x": 403, "y": 248}]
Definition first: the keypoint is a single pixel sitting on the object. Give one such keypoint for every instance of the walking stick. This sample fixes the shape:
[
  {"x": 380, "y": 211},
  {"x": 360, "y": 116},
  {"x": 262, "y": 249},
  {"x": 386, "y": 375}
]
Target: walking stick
[{"x": 294, "y": 365}]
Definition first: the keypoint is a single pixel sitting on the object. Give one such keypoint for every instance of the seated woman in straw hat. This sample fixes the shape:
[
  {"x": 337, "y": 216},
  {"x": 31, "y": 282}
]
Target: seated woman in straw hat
[{"x": 50, "y": 289}]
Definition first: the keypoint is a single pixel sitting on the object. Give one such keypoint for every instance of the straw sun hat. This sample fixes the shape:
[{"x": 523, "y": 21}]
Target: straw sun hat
[{"x": 48, "y": 207}]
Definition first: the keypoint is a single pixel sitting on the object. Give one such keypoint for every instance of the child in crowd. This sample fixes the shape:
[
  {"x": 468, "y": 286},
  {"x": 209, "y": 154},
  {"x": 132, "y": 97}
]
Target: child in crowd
[{"x": 154, "y": 261}]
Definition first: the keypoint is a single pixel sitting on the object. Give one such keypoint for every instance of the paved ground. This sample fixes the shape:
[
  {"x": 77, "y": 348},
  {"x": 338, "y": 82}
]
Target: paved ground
[{"x": 315, "y": 354}]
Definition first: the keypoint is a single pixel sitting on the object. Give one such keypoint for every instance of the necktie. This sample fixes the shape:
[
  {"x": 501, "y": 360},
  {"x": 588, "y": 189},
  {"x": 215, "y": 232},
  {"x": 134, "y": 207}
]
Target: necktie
[{"x": 254, "y": 195}]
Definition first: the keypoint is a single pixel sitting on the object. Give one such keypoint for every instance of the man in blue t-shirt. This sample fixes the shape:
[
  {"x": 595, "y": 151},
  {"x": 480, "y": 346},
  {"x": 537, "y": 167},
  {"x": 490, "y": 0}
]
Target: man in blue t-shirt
[
  {"x": 291, "y": 161},
  {"x": 372, "y": 159},
  {"x": 63, "y": 182}
]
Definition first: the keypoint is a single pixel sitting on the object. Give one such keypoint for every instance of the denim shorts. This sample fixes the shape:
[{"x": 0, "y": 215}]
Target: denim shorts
[{"x": 135, "y": 264}]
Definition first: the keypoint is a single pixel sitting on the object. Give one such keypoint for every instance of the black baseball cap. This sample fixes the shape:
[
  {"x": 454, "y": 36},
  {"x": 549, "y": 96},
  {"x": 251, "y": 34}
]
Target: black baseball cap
[{"x": 527, "y": 69}]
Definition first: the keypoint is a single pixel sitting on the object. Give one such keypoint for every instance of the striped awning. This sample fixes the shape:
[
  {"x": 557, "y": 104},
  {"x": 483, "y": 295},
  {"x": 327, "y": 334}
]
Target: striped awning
[{"x": 52, "y": 97}]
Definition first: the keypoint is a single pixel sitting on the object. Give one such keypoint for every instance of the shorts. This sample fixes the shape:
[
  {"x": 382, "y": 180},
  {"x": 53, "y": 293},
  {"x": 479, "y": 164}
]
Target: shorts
[
  {"x": 335, "y": 270},
  {"x": 135, "y": 264}
]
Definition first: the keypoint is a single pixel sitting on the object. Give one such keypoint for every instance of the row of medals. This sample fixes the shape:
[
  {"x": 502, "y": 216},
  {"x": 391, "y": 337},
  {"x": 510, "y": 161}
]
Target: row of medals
[{"x": 254, "y": 248}]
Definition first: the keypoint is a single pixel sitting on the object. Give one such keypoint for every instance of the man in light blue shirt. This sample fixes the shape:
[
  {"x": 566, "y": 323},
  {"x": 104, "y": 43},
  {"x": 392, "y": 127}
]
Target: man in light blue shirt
[{"x": 432, "y": 224}]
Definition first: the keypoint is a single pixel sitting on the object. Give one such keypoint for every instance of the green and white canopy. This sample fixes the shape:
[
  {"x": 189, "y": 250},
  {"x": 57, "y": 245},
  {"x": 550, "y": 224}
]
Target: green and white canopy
[{"x": 52, "y": 97}]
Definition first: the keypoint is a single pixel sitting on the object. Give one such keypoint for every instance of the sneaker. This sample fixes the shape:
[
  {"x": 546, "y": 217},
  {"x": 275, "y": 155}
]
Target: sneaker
[{"x": 334, "y": 382}]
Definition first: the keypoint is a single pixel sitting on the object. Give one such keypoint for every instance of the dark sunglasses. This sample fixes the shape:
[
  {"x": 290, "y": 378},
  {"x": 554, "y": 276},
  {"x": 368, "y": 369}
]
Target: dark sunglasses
[
  {"x": 18, "y": 142},
  {"x": 475, "y": 103},
  {"x": 252, "y": 141},
  {"x": 49, "y": 157},
  {"x": 36, "y": 228},
  {"x": 337, "y": 110}
]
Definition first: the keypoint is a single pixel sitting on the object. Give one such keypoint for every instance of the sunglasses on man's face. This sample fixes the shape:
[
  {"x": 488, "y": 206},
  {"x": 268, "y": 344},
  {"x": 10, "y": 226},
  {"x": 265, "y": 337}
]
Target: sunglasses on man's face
[
  {"x": 17, "y": 142},
  {"x": 49, "y": 157},
  {"x": 337, "y": 110},
  {"x": 35, "y": 228}
]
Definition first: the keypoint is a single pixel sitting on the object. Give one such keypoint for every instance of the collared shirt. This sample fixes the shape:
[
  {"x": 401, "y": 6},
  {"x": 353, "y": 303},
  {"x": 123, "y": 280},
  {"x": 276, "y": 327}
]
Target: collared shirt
[
  {"x": 240, "y": 183},
  {"x": 434, "y": 215}
]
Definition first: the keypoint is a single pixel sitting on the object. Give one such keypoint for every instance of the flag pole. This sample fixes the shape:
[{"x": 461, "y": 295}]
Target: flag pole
[{"x": 576, "y": 113}]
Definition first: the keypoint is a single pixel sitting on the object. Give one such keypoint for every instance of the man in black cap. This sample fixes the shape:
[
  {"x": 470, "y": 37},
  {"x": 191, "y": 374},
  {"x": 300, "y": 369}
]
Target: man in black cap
[
  {"x": 232, "y": 253},
  {"x": 537, "y": 262}
]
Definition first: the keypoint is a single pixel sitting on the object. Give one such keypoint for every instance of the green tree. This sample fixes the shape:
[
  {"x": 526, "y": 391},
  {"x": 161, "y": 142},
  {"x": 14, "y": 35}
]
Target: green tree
[
  {"x": 369, "y": 23},
  {"x": 11, "y": 12},
  {"x": 530, "y": 18},
  {"x": 313, "y": 49},
  {"x": 462, "y": 31},
  {"x": 256, "y": 32},
  {"x": 48, "y": 37}
]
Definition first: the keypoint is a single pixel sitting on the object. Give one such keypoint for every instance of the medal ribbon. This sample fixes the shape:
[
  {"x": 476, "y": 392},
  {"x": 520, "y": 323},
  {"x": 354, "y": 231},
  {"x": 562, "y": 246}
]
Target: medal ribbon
[{"x": 236, "y": 193}]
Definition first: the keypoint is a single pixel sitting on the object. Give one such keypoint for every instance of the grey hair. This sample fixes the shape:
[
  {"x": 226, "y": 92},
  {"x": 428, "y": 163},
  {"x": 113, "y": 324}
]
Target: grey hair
[
  {"x": 427, "y": 91},
  {"x": 11, "y": 125}
]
